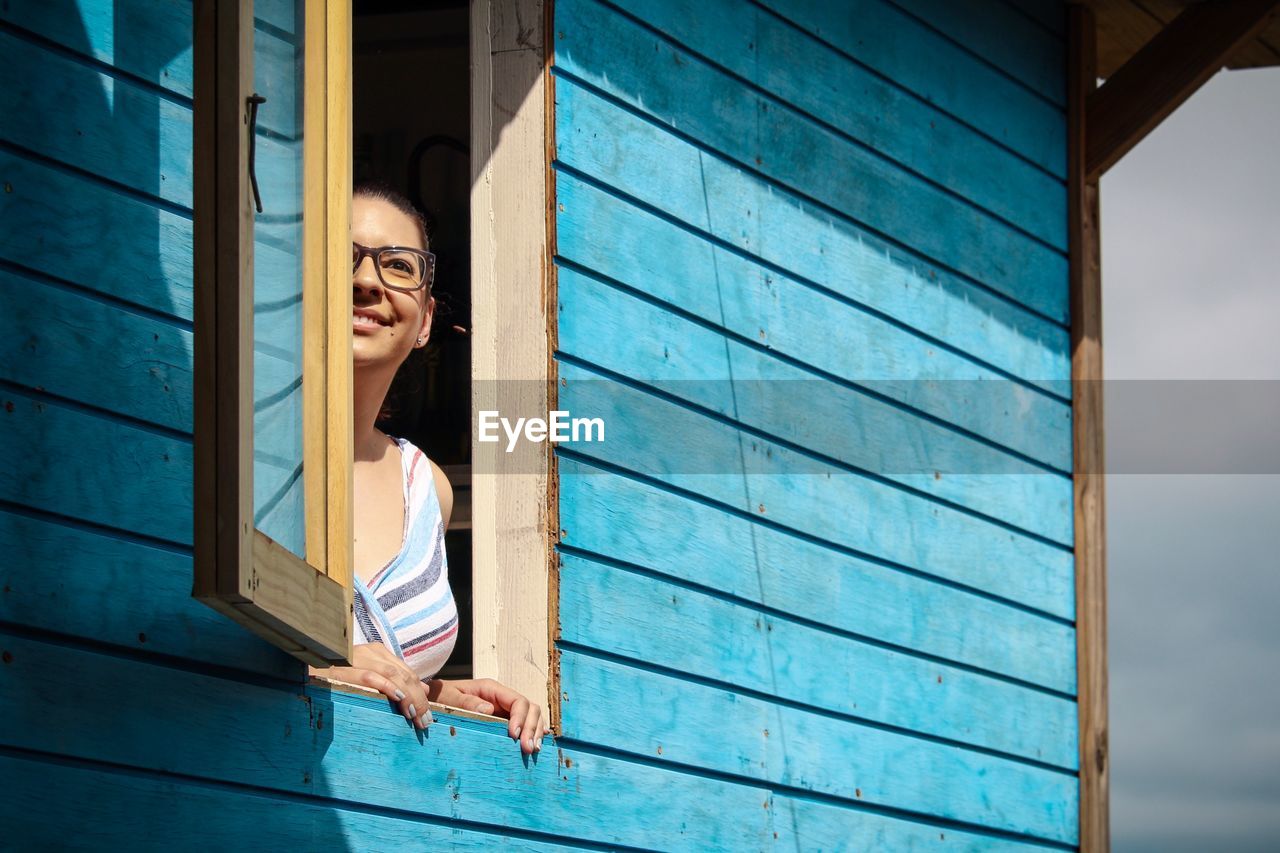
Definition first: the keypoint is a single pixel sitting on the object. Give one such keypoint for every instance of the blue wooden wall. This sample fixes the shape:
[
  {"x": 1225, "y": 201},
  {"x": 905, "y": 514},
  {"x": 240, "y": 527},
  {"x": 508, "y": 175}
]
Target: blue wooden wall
[{"x": 786, "y": 234}]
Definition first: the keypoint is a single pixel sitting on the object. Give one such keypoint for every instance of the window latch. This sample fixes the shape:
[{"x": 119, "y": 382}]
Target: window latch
[{"x": 254, "y": 100}]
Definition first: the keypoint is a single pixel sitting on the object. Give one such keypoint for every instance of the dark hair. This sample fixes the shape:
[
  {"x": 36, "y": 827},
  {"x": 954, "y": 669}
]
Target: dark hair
[
  {"x": 382, "y": 191},
  {"x": 407, "y": 379}
]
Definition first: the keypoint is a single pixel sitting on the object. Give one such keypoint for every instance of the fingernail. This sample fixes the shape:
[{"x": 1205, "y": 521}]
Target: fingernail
[
  {"x": 516, "y": 736},
  {"x": 537, "y": 746},
  {"x": 399, "y": 695},
  {"x": 427, "y": 719},
  {"x": 413, "y": 712}
]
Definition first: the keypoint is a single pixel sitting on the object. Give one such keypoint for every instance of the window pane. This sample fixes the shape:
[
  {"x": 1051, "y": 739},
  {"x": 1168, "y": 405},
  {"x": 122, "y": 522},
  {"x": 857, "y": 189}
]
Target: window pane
[{"x": 277, "y": 278}]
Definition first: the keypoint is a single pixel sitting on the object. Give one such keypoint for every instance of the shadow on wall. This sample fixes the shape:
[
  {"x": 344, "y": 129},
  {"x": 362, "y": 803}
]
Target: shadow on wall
[{"x": 96, "y": 374}]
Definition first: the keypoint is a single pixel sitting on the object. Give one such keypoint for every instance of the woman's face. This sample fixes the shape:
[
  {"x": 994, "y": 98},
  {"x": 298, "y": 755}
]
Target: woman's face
[{"x": 386, "y": 324}]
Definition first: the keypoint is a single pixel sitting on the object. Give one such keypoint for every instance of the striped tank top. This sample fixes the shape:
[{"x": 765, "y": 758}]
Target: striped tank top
[{"x": 408, "y": 605}]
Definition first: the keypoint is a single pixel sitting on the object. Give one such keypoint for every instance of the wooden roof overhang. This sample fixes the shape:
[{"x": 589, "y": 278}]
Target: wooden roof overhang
[
  {"x": 1124, "y": 26},
  {"x": 1155, "y": 53}
]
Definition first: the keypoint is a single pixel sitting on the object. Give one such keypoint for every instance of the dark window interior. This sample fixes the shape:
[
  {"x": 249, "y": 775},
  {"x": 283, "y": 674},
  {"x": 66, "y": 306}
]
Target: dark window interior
[{"x": 412, "y": 130}]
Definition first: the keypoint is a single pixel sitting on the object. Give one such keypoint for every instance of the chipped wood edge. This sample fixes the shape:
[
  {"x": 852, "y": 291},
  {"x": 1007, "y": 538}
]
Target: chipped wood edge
[{"x": 554, "y": 532}]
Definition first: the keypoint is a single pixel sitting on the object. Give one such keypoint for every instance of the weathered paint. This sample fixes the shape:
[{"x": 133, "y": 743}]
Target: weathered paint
[{"x": 773, "y": 632}]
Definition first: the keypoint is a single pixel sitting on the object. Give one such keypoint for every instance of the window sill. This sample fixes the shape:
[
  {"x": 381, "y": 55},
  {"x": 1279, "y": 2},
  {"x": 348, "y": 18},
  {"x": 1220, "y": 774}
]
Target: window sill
[{"x": 316, "y": 681}]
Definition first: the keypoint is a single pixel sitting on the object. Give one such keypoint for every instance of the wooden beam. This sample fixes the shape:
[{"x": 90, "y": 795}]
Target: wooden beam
[
  {"x": 1087, "y": 440},
  {"x": 1165, "y": 72},
  {"x": 513, "y": 307}
]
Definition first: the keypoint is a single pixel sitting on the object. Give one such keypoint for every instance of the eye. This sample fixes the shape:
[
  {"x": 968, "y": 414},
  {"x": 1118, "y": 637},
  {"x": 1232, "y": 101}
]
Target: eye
[{"x": 399, "y": 266}]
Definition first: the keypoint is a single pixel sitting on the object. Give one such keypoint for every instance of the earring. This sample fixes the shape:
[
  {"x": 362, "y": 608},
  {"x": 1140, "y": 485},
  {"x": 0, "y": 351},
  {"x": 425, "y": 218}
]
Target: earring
[{"x": 421, "y": 341}]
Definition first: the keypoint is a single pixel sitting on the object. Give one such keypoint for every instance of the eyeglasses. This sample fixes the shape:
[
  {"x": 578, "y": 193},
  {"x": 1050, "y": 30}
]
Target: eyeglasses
[{"x": 399, "y": 268}]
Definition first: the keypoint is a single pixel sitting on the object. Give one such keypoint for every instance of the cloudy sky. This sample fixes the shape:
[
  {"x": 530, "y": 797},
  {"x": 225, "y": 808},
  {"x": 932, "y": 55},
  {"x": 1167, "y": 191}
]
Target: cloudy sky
[{"x": 1191, "y": 284}]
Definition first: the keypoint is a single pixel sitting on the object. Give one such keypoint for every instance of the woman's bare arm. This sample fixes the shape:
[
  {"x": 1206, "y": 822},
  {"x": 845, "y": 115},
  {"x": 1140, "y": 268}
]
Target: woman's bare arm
[{"x": 444, "y": 491}]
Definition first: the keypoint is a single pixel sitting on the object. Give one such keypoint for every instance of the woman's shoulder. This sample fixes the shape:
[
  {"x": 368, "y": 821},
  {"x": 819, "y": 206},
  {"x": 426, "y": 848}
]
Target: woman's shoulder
[{"x": 423, "y": 470}]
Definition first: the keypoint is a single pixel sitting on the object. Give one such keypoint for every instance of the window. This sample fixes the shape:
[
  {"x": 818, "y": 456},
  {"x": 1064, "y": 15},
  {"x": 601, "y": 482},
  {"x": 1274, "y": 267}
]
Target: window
[
  {"x": 273, "y": 356},
  {"x": 272, "y": 336},
  {"x": 412, "y": 118}
]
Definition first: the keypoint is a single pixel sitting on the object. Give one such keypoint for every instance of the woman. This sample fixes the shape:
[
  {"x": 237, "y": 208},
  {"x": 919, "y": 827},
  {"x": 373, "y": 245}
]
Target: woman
[{"x": 405, "y": 616}]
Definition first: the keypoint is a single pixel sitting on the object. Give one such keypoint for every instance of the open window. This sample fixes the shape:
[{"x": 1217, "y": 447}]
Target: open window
[
  {"x": 446, "y": 102},
  {"x": 272, "y": 321},
  {"x": 412, "y": 130}
]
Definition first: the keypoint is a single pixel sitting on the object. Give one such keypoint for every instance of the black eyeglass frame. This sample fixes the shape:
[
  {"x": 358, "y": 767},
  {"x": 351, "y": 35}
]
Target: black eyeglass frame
[{"x": 428, "y": 259}]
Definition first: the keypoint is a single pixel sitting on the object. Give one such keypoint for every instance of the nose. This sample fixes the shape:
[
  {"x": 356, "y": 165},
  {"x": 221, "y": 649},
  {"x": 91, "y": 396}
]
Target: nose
[{"x": 365, "y": 276}]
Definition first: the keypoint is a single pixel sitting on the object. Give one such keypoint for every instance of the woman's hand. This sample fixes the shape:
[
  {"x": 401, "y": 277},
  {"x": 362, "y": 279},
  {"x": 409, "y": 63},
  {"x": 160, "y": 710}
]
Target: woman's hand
[
  {"x": 375, "y": 667},
  {"x": 485, "y": 696}
]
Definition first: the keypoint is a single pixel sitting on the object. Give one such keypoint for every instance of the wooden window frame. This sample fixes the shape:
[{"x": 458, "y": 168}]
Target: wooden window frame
[
  {"x": 514, "y": 512},
  {"x": 302, "y": 606}
]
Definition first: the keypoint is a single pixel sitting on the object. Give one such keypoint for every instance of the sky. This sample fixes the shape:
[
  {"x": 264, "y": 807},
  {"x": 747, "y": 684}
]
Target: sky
[{"x": 1191, "y": 290}]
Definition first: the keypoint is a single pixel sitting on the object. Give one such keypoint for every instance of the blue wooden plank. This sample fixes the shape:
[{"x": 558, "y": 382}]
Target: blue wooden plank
[
  {"x": 115, "y": 128},
  {"x": 146, "y": 39},
  {"x": 1050, "y": 14},
  {"x": 104, "y": 125},
  {"x": 744, "y": 383},
  {"x": 358, "y": 750},
  {"x": 704, "y": 726},
  {"x": 823, "y": 825},
  {"x": 119, "y": 591},
  {"x": 714, "y": 197},
  {"x": 674, "y": 88},
  {"x": 890, "y": 42},
  {"x": 117, "y": 244},
  {"x": 1005, "y": 37},
  {"x": 619, "y": 612},
  {"x": 66, "y": 461},
  {"x": 128, "y": 810},
  {"x": 812, "y": 319},
  {"x": 169, "y": 810},
  {"x": 126, "y": 477},
  {"x": 95, "y": 352},
  {"x": 874, "y": 518},
  {"x": 740, "y": 556},
  {"x": 795, "y": 68},
  {"x": 70, "y": 343}
]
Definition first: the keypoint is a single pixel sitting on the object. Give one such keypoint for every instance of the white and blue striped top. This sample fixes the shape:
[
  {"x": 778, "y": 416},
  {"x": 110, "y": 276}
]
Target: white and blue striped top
[{"x": 408, "y": 605}]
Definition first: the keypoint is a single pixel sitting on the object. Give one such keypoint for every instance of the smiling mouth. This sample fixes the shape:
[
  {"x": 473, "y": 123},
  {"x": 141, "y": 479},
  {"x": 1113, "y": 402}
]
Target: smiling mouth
[{"x": 367, "y": 321}]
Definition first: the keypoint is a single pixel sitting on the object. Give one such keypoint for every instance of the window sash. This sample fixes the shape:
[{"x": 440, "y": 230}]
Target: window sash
[{"x": 302, "y": 606}]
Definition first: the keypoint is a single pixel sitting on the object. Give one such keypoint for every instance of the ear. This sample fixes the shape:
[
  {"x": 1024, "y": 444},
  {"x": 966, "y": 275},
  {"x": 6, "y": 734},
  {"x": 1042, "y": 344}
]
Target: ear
[{"x": 424, "y": 330}]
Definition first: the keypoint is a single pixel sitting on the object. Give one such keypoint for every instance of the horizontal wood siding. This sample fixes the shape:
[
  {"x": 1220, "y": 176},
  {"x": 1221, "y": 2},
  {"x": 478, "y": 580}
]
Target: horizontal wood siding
[
  {"x": 812, "y": 275},
  {"x": 850, "y": 627}
]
